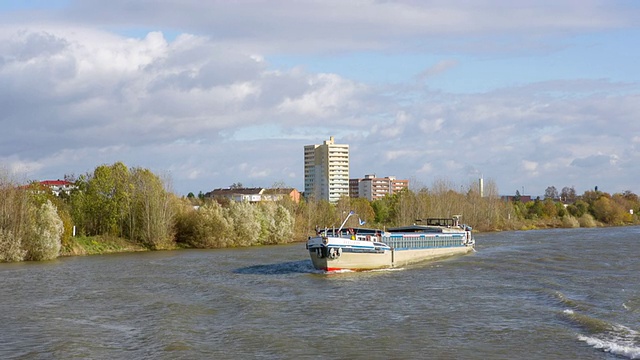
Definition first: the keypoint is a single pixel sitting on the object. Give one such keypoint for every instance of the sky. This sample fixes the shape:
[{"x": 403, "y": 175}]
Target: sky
[{"x": 526, "y": 94}]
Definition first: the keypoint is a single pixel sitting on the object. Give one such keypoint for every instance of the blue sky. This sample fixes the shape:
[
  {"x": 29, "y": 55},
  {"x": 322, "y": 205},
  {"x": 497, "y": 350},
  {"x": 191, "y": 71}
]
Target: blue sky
[{"x": 528, "y": 94}]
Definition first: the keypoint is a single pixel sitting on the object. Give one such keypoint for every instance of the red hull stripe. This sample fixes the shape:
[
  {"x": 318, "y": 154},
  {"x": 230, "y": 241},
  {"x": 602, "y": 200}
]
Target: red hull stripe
[{"x": 334, "y": 269}]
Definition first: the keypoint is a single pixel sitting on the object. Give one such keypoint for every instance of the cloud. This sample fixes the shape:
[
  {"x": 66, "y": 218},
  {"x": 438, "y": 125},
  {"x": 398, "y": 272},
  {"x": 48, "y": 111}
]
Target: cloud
[
  {"x": 438, "y": 68},
  {"x": 530, "y": 166},
  {"x": 595, "y": 161},
  {"x": 199, "y": 97},
  {"x": 326, "y": 95},
  {"x": 321, "y": 26}
]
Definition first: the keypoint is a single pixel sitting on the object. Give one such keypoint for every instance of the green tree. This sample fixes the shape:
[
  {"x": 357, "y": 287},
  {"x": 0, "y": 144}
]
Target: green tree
[
  {"x": 363, "y": 209},
  {"x": 382, "y": 211},
  {"x": 549, "y": 209},
  {"x": 102, "y": 202},
  {"x": 535, "y": 209},
  {"x": 152, "y": 209},
  {"x": 578, "y": 208},
  {"x": 607, "y": 211}
]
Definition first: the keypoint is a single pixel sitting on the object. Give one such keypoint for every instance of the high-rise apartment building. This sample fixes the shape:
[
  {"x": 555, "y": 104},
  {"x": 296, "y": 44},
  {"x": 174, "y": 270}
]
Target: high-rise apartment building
[
  {"x": 373, "y": 188},
  {"x": 326, "y": 171}
]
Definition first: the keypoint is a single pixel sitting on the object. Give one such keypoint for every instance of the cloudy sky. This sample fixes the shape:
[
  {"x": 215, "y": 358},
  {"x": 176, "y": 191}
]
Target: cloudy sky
[{"x": 527, "y": 94}]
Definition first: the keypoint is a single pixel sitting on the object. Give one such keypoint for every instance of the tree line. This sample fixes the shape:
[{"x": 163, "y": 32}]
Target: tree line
[{"x": 135, "y": 204}]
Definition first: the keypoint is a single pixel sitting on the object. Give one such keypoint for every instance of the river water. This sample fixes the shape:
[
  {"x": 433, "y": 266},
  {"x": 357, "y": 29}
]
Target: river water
[{"x": 547, "y": 294}]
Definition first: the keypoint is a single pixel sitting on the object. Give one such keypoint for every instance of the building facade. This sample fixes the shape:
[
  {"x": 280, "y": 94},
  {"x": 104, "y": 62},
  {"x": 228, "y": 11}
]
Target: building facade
[
  {"x": 58, "y": 186},
  {"x": 326, "y": 171},
  {"x": 254, "y": 195},
  {"x": 374, "y": 188}
]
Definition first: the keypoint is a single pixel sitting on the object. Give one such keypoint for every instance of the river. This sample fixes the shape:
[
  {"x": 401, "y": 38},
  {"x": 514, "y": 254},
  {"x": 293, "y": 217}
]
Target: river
[{"x": 545, "y": 294}]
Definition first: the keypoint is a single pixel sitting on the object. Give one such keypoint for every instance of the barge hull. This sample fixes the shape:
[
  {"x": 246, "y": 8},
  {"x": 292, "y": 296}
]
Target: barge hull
[{"x": 388, "y": 259}]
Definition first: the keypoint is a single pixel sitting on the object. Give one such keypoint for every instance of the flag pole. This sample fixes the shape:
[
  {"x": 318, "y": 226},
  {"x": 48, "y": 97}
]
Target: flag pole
[{"x": 345, "y": 220}]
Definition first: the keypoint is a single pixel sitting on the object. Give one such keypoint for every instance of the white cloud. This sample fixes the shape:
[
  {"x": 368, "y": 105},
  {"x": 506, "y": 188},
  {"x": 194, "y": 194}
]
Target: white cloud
[
  {"x": 328, "y": 95},
  {"x": 530, "y": 166},
  {"x": 201, "y": 99},
  {"x": 22, "y": 167},
  {"x": 429, "y": 127},
  {"x": 425, "y": 169}
]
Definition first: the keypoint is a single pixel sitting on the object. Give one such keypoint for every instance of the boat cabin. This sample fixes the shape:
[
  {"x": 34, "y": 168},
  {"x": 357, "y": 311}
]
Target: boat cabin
[{"x": 429, "y": 225}]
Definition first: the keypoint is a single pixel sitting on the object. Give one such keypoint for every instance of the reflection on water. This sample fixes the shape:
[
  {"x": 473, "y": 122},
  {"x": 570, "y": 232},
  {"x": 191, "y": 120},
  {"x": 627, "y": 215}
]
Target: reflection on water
[
  {"x": 549, "y": 294},
  {"x": 300, "y": 267}
]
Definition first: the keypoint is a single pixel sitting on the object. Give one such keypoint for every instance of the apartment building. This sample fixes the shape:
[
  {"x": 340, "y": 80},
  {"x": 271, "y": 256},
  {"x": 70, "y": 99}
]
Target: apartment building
[
  {"x": 326, "y": 170},
  {"x": 373, "y": 188}
]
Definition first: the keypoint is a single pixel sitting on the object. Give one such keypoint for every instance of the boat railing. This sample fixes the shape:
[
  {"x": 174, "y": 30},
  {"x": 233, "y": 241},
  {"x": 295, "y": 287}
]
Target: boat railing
[{"x": 424, "y": 242}]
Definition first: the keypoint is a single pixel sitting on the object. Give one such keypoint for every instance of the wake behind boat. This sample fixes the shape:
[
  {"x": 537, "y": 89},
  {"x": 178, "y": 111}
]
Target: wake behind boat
[{"x": 367, "y": 249}]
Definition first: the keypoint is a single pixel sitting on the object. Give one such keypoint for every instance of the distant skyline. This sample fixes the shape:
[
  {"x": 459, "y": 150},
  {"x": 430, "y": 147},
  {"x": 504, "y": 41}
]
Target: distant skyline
[{"x": 526, "y": 94}]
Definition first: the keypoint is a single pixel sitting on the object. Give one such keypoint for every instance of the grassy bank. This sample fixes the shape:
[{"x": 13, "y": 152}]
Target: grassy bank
[{"x": 94, "y": 245}]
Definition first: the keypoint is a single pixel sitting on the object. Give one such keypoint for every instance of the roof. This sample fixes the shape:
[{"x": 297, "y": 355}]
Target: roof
[
  {"x": 56, "y": 183},
  {"x": 234, "y": 191},
  {"x": 415, "y": 228},
  {"x": 284, "y": 191}
]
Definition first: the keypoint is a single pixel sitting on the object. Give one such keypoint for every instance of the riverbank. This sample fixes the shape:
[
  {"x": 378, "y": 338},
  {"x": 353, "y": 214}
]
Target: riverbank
[{"x": 98, "y": 245}]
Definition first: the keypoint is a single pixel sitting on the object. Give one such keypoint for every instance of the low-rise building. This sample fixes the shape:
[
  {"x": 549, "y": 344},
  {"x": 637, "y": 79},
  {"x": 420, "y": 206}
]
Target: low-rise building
[
  {"x": 58, "y": 187},
  {"x": 253, "y": 195},
  {"x": 280, "y": 193}
]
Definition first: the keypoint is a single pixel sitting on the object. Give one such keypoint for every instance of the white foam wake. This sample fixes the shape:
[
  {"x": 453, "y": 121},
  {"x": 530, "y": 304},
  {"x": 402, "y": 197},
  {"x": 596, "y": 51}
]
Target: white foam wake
[{"x": 620, "y": 345}]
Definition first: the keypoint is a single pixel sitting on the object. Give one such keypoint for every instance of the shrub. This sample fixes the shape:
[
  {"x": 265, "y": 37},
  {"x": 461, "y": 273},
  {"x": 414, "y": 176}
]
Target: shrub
[
  {"x": 44, "y": 240},
  {"x": 276, "y": 224},
  {"x": 10, "y": 246},
  {"x": 587, "y": 221},
  {"x": 569, "y": 221},
  {"x": 246, "y": 225},
  {"x": 207, "y": 227}
]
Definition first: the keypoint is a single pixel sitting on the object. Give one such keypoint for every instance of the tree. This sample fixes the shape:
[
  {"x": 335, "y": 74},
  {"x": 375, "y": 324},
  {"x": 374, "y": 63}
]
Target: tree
[
  {"x": 606, "y": 211},
  {"x": 568, "y": 194},
  {"x": 362, "y": 208},
  {"x": 101, "y": 205},
  {"x": 152, "y": 210},
  {"x": 629, "y": 195},
  {"x": 549, "y": 209},
  {"x": 517, "y": 197},
  {"x": 381, "y": 210},
  {"x": 130, "y": 203},
  {"x": 535, "y": 209},
  {"x": 551, "y": 193},
  {"x": 16, "y": 216},
  {"x": 578, "y": 208}
]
